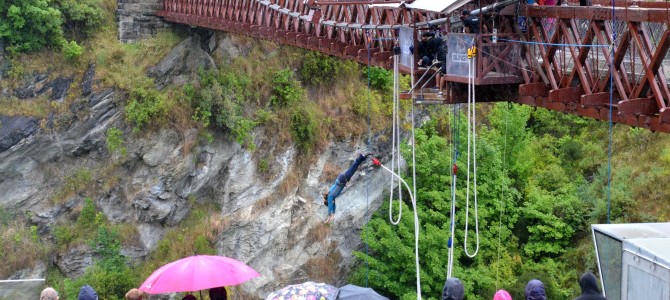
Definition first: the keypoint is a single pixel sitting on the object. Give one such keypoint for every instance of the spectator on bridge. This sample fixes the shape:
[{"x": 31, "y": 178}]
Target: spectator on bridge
[
  {"x": 428, "y": 46},
  {"x": 589, "y": 286},
  {"x": 471, "y": 23},
  {"x": 341, "y": 181},
  {"x": 49, "y": 294}
]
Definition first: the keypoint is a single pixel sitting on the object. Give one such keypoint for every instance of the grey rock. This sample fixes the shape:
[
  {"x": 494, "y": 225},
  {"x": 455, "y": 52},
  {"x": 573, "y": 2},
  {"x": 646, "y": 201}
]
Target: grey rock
[
  {"x": 74, "y": 262},
  {"x": 185, "y": 58},
  {"x": 36, "y": 272},
  {"x": 37, "y": 84},
  {"x": 59, "y": 88},
  {"x": 15, "y": 129},
  {"x": 87, "y": 80}
]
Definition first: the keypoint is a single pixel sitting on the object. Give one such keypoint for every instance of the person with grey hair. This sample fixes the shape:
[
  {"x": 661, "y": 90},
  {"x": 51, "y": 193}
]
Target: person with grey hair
[
  {"x": 49, "y": 294},
  {"x": 453, "y": 289}
]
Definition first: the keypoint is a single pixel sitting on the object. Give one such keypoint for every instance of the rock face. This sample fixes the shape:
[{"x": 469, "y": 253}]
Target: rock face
[
  {"x": 271, "y": 220},
  {"x": 137, "y": 19}
]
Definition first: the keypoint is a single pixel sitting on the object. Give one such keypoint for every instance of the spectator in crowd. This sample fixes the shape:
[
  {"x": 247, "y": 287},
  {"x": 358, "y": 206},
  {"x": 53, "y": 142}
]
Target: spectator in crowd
[
  {"x": 218, "y": 293},
  {"x": 502, "y": 295},
  {"x": 589, "y": 286},
  {"x": 49, "y": 294},
  {"x": 453, "y": 289},
  {"x": 134, "y": 294},
  {"x": 189, "y": 297},
  {"x": 87, "y": 293},
  {"x": 535, "y": 290}
]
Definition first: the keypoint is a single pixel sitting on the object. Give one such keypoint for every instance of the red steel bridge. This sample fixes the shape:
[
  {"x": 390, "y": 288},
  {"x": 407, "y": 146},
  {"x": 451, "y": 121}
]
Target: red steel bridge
[{"x": 584, "y": 60}]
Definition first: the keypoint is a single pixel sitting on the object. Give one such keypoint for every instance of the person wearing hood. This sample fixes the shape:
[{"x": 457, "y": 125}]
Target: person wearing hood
[
  {"x": 87, "y": 293},
  {"x": 590, "y": 290},
  {"x": 453, "y": 289},
  {"x": 535, "y": 290}
]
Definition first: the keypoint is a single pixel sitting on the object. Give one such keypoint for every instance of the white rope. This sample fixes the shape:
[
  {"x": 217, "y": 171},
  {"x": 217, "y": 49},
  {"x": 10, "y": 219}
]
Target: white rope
[
  {"x": 472, "y": 137},
  {"x": 416, "y": 218},
  {"x": 396, "y": 147},
  {"x": 416, "y": 231},
  {"x": 395, "y": 131},
  {"x": 450, "y": 264}
]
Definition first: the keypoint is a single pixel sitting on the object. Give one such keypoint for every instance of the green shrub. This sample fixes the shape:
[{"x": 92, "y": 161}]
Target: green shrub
[
  {"x": 304, "y": 127},
  {"x": 380, "y": 78},
  {"x": 110, "y": 276},
  {"x": 82, "y": 15},
  {"x": 146, "y": 105},
  {"x": 72, "y": 50},
  {"x": 286, "y": 90},
  {"x": 30, "y": 25},
  {"x": 319, "y": 69},
  {"x": 222, "y": 96},
  {"x": 115, "y": 141}
]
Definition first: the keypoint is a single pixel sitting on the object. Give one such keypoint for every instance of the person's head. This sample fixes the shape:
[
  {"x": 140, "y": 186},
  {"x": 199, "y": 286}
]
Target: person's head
[
  {"x": 134, "y": 294},
  {"x": 325, "y": 196},
  {"x": 465, "y": 13},
  {"x": 218, "y": 293},
  {"x": 453, "y": 289},
  {"x": 535, "y": 290},
  {"x": 49, "y": 294},
  {"x": 189, "y": 297},
  {"x": 502, "y": 295},
  {"x": 589, "y": 284},
  {"x": 87, "y": 293},
  {"x": 427, "y": 35}
]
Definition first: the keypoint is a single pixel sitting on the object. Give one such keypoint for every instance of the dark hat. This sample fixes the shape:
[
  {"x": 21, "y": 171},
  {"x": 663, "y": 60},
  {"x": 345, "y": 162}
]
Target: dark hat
[{"x": 465, "y": 12}]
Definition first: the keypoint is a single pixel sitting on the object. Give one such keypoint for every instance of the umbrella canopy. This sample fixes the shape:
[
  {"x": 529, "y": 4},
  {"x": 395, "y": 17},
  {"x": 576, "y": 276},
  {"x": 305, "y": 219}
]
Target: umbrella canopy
[
  {"x": 196, "y": 273},
  {"x": 354, "y": 292},
  {"x": 305, "y": 291}
]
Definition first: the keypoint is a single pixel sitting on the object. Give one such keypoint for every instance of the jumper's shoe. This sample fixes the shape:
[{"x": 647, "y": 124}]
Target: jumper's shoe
[
  {"x": 440, "y": 93},
  {"x": 376, "y": 162}
]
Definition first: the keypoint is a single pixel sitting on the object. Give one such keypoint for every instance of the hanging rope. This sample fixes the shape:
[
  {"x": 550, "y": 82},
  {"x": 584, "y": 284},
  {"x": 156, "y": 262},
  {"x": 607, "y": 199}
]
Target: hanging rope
[
  {"x": 454, "y": 170},
  {"x": 472, "y": 133},
  {"x": 416, "y": 218},
  {"x": 395, "y": 141}
]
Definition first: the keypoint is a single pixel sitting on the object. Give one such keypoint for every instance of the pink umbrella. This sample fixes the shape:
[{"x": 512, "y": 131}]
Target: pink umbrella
[{"x": 196, "y": 273}]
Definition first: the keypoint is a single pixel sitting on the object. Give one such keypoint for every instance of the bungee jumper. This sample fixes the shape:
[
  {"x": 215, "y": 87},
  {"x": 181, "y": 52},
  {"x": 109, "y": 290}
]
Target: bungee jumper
[{"x": 341, "y": 181}]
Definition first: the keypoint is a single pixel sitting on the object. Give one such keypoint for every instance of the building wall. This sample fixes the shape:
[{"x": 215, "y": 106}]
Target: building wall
[{"x": 137, "y": 19}]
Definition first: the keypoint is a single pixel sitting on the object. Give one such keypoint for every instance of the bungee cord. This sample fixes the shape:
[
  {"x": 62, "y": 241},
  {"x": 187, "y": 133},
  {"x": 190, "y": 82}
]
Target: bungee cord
[{"x": 472, "y": 134}]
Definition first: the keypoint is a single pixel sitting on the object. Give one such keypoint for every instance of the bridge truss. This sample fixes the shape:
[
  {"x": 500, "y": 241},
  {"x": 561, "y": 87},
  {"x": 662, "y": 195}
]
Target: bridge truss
[{"x": 567, "y": 58}]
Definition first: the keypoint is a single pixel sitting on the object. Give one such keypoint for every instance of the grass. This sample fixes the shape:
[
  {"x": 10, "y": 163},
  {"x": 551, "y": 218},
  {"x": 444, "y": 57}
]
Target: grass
[
  {"x": 196, "y": 233},
  {"x": 20, "y": 247},
  {"x": 74, "y": 183},
  {"x": 324, "y": 268}
]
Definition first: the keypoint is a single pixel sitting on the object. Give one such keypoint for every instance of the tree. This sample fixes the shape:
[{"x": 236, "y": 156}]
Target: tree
[{"x": 30, "y": 25}]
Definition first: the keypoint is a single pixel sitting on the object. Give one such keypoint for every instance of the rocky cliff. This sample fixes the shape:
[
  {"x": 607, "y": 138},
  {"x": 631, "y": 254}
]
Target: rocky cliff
[{"x": 271, "y": 221}]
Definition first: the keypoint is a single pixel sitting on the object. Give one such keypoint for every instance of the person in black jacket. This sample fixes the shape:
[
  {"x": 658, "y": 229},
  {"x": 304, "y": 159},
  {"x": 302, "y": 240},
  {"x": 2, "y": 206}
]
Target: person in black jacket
[{"x": 589, "y": 287}]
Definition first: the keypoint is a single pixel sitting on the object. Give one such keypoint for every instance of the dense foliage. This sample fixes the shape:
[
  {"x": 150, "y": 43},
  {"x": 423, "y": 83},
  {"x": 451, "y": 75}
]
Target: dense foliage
[
  {"x": 30, "y": 25},
  {"x": 535, "y": 174}
]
